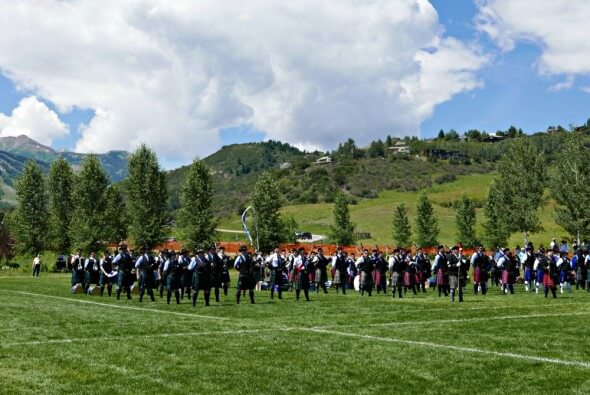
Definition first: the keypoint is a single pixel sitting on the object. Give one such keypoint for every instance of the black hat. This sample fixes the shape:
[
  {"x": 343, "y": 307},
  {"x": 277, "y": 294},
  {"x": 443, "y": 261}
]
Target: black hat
[
  {"x": 441, "y": 247},
  {"x": 455, "y": 248},
  {"x": 243, "y": 248},
  {"x": 172, "y": 252}
]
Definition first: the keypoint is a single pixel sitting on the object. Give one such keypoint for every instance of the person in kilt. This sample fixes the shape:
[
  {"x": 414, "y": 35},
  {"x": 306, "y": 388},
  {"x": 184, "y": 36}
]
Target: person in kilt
[
  {"x": 539, "y": 268},
  {"x": 507, "y": 264},
  {"x": 173, "y": 275},
  {"x": 352, "y": 270},
  {"x": 77, "y": 265},
  {"x": 454, "y": 271},
  {"x": 340, "y": 264},
  {"x": 106, "y": 268},
  {"x": 365, "y": 268},
  {"x": 410, "y": 272},
  {"x": 440, "y": 268},
  {"x": 551, "y": 275},
  {"x": 275, "y": 264},
  {"x": 247, "y": 277},
  {"x": 124, "y": 262},
  {"x": 91, "y": 271},
  {"x": 216, "y": 267},
  {"x": 564, "y": 266},
  {"x": 225, "y": 277},
  {"x": 201, "y": 267},
  {"x": 529, "y": 272},
  {"x": 396, "y": 271},
  {"x": 302, "y": 267},
  {"x": 423, "y": 267},
  {"x": 161, "y": 261},
  {"x": 145, "y": 266},
  {"x": 480, "y": 276},
  {"x": 380, "y": 272},
  {"x": 321, "y": 271},
  {"x": 186, "y": 278}
]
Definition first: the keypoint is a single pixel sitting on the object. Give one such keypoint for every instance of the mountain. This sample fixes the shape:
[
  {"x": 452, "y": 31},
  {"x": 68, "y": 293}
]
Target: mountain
[{"x": 15, "y": 151}]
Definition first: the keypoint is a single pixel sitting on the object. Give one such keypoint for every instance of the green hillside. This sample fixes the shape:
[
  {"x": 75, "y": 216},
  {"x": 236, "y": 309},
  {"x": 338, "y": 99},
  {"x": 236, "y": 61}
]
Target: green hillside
[{"x": 375, "y": 215}]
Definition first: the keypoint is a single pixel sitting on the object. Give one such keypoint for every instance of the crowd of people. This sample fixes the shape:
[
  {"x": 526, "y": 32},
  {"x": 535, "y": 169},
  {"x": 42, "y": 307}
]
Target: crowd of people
[{"x": 185, "y": 275}]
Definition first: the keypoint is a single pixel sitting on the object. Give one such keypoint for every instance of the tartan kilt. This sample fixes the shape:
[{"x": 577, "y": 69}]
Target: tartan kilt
[
  {"x": 441, "y": 278},
  {"x": 378, "y": 278},
  {"x": 293, "y": 277},
  {"x": 477, "y": 275},
  {"x": 507, "y": 277},
  {"x": 423, "y": 277},
  {"x": 396, "y": 279},
  {"x": 276, "y": 277},
  {"x": 409, "y": 279},
  {"x": 147, "y": 279},
  {"x": 187, "y": 278},
  {"x": 124, "y": 279},
  {"x": 548, "y": 281},
  {"x": 172, "y": 282},
  {"x": 339, "y": 277},
  {"x": 453, "y": 281},
  {"x": 104, "y": 280},
  {"x": 302, "y": 280},
  {"x": 579, "y": 274},
  {"x": 321, "y": 276},
  {"x": 246, "y": 281},
  {"x": 366, "y": 281},
  {"x": 201, "y": 281},
  {"x": 528, "y": 274},
  {"x": 225, "y": 277}
]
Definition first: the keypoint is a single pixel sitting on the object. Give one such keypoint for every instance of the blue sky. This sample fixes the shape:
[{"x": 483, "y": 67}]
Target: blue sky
[{"x": 515, "y": 89}]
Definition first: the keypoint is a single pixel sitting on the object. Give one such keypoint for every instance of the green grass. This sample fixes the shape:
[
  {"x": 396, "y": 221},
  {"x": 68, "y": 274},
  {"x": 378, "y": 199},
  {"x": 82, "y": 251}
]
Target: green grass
[
  {"x": 54, "y": 342},
  {"x": 375, "y": 215}
]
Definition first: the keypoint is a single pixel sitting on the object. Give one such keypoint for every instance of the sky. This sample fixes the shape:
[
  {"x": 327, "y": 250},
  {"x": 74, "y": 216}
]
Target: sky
[{"x": 187, "y": 77}]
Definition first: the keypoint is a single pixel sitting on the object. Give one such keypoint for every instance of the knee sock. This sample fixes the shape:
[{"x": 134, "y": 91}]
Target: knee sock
[
  {"x": 168, "y": 296},
  {"x": 297, "y": 292},
  {"x": 251, "y": 293},
  {"x": 207, "y": 295},
  {"x": 151, "y": 294},
  {"x": 238, "y": 295},
  {"x": 217, "y": 295},
  {"x": 306, "y": 292},
  {"x": 141, "y": 292},
  {"x": 195, "y": 298},
  {"x": 177, "y": 295}
]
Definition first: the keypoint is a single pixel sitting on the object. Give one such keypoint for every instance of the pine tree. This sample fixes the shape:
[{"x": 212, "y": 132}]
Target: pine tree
[
  {"x": 88, "y": 220},
  {"x": 115, "y": 215},
  {"x": 60, "y": 184},
  {"x": 6, "y": 241},
  {"x": 570, "y": 187},
  {"x": 196, "y": 217},
  {"x": 465, "y": 217},
  {"x": 402, "y": 232},
  {"x": 266, "y": 201},
  {"x": 342, "y": 232},
  {"x": 426, "y": 225},
  {"x": 31, "y": 221},
  {"x": 147, "y": 197}
]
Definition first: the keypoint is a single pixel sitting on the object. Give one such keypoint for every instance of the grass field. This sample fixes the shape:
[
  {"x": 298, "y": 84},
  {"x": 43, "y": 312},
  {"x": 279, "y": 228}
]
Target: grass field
[
  {"x": 376, "y": 215},
  {"x": 55, "y": 342}
]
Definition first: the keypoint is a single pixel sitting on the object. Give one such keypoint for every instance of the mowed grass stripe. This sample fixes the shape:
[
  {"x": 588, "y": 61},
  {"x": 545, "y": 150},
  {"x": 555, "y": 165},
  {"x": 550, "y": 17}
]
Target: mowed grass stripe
[{"x": 533, "y": 358}]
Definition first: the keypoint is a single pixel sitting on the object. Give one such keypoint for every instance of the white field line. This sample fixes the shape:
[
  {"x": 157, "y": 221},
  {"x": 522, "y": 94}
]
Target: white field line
[
  {"x": 114, "y": 306},
  {"x": 458, "y": 320},
  {"x": 532, "y": 358},
  {"x": 132, "y": 337}
]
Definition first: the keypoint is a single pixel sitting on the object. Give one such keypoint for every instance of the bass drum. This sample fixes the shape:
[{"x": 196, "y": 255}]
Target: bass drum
[
  {"x": 94, "y": 290},
  {"x": 357, "y": 283}
]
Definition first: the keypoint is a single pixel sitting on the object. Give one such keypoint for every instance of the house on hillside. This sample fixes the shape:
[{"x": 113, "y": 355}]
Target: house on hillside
[
  {"x": 400, "y": 147},
  {"x": 493, "y": 138},
  {"x": 284, "y": 165},
  {"x": 323, "y": 160}
]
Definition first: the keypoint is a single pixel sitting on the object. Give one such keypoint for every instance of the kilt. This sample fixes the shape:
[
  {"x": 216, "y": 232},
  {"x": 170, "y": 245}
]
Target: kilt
[
  {"x": 507, "y": 277},
  {"x": 366, "y": 281},
  {"x": 294, "y": 276},
  {"x": 276, "y": 277},
  {"x": 548, "y": 281},
  {"x": 477, "y": 275},
  {"x": 579, "y": 274},
  {"x": 396, "y": 279},
  {"x": 340, "y": 277},
  {"x": 423, "y": 277},
  {"x": 441, "y": 278},
  {"x": 147, "y": 279},
  {"x": 302, "y": 280},
  {"x": 409, "y": 279},
  {"x": 225, "y": 277},
  {"x": 124, "y": 279},
  {"x": 321, "y": 276},
  {"x": 247, "y": 281},
  {"x": 453, "y": 281},
  {"x": 540, "y": 276},
  {"x": 201, "y": 281},
  {"x": 186, "y": 279},
  {"x": 104, "y": 280},
  {"x": 528, "y": 274},
  {"x": 163, "y": 279},
  {"x": 563, "y": 274},
  {"x": 172, "y": 282},
  {"x": 379, "y": 279},
  {"x": 216, "y": 279}
]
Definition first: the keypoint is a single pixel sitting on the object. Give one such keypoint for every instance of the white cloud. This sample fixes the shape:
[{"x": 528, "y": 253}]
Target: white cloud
[
  {"x": 563, "y": 85},
  {"x": 34, "y": 119},
  {"x": 171, "y": 74},
  {"x": 560, "y": 28}
]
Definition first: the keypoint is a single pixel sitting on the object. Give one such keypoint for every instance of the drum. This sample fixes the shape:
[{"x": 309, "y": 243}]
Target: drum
[
  {"x": 357, "y": 283},
  {"x": 94, "y": 290},
  {"x": 135, "y": 289},
  {"x": 77, "y": 289}
]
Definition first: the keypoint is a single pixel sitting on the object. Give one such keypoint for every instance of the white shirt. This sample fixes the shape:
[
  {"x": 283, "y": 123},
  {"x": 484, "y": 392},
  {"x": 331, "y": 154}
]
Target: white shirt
[{"x": 274, "y": 260}]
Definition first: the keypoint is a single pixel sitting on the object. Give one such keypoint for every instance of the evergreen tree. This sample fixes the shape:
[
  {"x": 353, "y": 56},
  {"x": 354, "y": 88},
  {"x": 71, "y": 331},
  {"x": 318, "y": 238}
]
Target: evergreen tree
[
  {"x": 465, "y": 217},
  {"x": 266, "y": 200},
  {"x": 6, "y": 241},
  {"x": 342, "y": 232},
  {"x": 495, "y": 230},
  {"x": 570, "y": 187},
  {"x": 115, "y": 215},
  {"x": 60, "y": 184},
  {"x": 441, "y": 134},
  {"x": 31, "y": 221},
  {"x": 147, "y": 197},
  {"x": 196, "y": 217},
  {"x": 402, "y": 233},
  {"x": 89, "y": 220},
  {"x": 426, "y": 225},
  {"x": 376, "y": 149}
]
